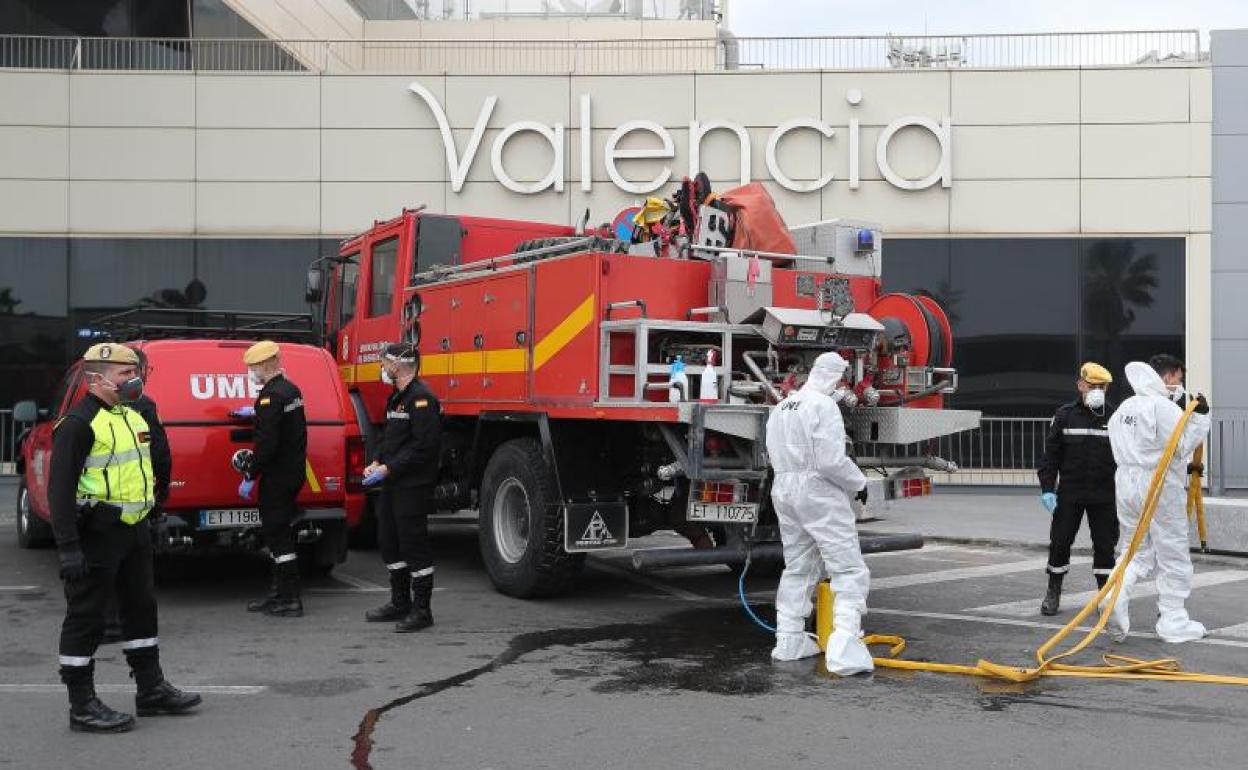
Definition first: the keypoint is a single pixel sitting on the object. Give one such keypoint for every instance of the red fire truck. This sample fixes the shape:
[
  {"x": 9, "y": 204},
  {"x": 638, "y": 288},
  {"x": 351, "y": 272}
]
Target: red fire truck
[{"x": 556, "y": 352}]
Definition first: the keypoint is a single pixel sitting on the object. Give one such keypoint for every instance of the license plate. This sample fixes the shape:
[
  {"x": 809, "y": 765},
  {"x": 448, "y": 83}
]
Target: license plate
[
  {"x": 727, "y": 513},
  {"x": 236, "y": 517}
]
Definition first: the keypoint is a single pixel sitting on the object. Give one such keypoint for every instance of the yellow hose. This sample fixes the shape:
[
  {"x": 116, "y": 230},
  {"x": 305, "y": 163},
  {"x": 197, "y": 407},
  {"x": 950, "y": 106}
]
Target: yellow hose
[
  {"x": 1196, "y": 500},
  {"x": 1048, "y": 662}
]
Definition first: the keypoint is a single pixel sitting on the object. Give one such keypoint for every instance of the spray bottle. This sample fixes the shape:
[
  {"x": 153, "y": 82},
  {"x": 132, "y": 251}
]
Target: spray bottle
[
  {"x": 708, "y": 388},
  {"x": 677, "y": 382}
]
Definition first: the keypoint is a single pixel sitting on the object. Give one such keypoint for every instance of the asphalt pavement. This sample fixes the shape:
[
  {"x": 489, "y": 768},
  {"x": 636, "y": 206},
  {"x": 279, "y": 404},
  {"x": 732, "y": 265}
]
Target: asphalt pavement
[{"x": 630, "y": 671}]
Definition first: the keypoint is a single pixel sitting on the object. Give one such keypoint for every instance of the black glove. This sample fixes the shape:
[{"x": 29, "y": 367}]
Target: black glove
[
  {"x": 1202, "y": 404},
  {"x": 73, "y": 566},
  {"x": 861, "y": 496}
]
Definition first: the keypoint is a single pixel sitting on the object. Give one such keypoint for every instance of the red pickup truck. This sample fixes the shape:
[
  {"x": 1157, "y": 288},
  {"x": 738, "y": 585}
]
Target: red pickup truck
[{"x": 196, "y": 384}]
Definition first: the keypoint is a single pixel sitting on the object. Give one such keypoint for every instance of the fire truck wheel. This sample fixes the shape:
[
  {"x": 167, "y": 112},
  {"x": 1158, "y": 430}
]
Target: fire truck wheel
[
  {"x": 32, "y": 531},
  {"x": 521, "y": 525}
]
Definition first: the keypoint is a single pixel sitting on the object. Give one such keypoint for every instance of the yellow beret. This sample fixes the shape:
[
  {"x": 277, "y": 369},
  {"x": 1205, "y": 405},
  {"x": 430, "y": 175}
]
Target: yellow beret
[
  {"x": 1095, "y": 374},
  {"x": 260, "y": 352},
  {"x": 110, "y": 353}
]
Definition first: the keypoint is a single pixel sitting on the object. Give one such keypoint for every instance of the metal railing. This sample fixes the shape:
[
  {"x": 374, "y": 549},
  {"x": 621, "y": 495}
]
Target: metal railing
[
  {"x": 620, "y": 56},
  {"x": 1228, "y": 454},
  {"x": 9, "y": 431},
  {"x": 1002, "y": 451}
]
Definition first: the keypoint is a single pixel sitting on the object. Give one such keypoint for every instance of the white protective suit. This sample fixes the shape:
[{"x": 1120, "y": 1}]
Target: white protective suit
[
  {"x": 814, "y": 483},
  {"x": 1138, "y": 433}
]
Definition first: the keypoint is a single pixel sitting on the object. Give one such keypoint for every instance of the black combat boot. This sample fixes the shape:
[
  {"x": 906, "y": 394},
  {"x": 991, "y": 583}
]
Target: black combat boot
[
  {"x": 420, "y": 617},
  {"x": 287, "y": 604},
  {"x": 87, "y": 713},
  {"x": 1053, "y": 597},
  {"x": 155, "y": 694},
  {"x": 400, "y": 599},
  {"x": 268, "y": 600},
  {"x": 1100, "y": 581}
]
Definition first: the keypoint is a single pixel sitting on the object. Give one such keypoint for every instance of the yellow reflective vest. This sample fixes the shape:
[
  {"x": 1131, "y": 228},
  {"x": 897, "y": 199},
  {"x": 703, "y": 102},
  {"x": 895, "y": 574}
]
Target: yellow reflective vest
[{"x": 119, "y": 468}]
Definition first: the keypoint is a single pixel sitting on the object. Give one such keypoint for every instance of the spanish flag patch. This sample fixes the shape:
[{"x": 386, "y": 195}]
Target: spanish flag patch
[
  {"x": 265, "y": 401},
  {"x": 421, "y": 403}
]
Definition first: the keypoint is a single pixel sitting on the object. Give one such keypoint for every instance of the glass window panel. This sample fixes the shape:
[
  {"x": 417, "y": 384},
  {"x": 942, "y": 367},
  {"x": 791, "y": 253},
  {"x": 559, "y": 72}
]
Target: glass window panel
[
  {"x": 33, "y": 318},
  {"x": 1133, "y": 296},
  {"x": 381, "y": 276}
]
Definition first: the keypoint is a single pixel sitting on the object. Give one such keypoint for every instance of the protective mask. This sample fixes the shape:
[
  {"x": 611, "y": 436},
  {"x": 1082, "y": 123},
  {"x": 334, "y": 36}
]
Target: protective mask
[
  {"x": 255, "y": 378},
  {"x": 385, "y": 376},
  {"x": 1095, "y": 398},
  {"x": 1177, "y": 394},
  {"x": 130, "y": 390}
]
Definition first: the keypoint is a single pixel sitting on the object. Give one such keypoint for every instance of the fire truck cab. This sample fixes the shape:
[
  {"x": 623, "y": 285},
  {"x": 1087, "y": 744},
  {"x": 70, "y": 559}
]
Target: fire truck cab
[{"x": 555, "y": 354}]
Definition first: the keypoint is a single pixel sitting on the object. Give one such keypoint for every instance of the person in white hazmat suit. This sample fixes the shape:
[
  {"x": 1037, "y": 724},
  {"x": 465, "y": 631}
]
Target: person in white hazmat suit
[
  {"x": 814, "y": 483},
  {"x": 1138, "y": 433}
]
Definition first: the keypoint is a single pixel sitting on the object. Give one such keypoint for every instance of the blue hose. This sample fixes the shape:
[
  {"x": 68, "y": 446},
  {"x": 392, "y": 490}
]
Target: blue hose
[{"x": 745, "y": 604}]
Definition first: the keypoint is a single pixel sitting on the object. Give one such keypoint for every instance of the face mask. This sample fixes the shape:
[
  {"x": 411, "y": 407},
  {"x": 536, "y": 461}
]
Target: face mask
[
  {"x": 130, "y": 390},
  {"x": 1177, "y": 394},
  {"x": 1095, "y": 398},
  {"x": 385, "y": 376},
  {"x": 255, "y": 378}
]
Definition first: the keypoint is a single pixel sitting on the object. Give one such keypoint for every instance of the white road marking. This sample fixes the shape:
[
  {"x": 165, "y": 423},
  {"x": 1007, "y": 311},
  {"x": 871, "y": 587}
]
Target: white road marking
[
  {"x": 19, "y": 589},
  {"x": 935, "y": 548},
  {"x": 205, "y": 689},
  {"x": 649, "y": 582},
  {"x": 1240, "y": 631},
  {"x": 1148, "y": 588},
  {"x": 964, "y": 573},
  {"x": 871, "y": 628}
]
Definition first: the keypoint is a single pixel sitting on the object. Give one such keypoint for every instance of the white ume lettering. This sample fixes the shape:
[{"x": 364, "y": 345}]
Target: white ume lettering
[
  {"x": 209, "y": 386},
  {"x": 664, "y": 148}
]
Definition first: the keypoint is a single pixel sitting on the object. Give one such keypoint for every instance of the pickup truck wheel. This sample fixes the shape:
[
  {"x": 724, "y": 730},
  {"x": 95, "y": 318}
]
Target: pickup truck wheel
[
  {"x": 521, "y": 525},
  {"x": 32, "y": 531}
]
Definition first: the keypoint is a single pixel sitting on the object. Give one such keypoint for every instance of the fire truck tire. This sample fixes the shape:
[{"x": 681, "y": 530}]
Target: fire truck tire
[
  {"x": 32, "y": 531},
  {"x": 521, "y": 525}
]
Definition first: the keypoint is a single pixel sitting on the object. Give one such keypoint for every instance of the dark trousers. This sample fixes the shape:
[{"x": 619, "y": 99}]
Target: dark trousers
[
  {"x": 120, "y": 560},
  {"x": 403, "y": 528},
  {"x": 1102, "y": 521},
  {"x": 278, "y": 511}
]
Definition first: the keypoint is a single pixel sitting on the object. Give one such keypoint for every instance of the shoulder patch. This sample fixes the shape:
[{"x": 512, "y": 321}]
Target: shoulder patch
[
  {"x": 420, "y": 404},
  {"x": 265, "y": 401}
]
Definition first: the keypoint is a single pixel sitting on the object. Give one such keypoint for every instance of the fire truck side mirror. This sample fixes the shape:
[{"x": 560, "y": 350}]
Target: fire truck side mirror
[{"x": 314, "y": 291}]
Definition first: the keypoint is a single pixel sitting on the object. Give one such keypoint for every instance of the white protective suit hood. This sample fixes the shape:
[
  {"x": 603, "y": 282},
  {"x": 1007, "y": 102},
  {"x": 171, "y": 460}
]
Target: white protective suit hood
[
  {"x": 1145, "y": 380},
  {"x": 826, "y": 374}
]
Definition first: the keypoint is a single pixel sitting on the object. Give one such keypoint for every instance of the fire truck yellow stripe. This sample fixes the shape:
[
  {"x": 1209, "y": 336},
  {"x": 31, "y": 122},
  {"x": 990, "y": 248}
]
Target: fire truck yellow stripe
[
  {"x": 564, "y": 333},
  {"x": 502, "y": 361}
]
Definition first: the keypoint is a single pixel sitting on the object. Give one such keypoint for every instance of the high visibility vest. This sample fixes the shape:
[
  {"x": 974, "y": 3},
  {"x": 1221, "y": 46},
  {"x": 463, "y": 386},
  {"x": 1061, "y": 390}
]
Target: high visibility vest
[{"x": 119, "y": 468}]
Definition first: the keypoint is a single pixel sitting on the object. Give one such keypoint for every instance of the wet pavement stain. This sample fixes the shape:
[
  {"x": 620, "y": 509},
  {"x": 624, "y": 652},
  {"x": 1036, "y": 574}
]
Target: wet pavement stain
[{"x": 703, "y": 650}]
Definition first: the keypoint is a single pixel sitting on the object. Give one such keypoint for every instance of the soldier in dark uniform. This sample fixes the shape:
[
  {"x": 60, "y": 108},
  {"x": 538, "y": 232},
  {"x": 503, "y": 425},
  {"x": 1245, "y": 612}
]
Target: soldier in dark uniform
[
  {"x": 1077, "y": 475},
  {"x": 406, "y": 467},
  {"x": 279, "y": 462}
]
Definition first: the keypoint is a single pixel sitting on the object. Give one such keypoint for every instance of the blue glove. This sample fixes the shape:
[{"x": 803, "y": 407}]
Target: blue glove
[
  {"x": 1049, "y": 501},
  {"x": 245, "y": 488},
  {"x": 244, "y": 412},
  {"x": 376, "y": 476}
]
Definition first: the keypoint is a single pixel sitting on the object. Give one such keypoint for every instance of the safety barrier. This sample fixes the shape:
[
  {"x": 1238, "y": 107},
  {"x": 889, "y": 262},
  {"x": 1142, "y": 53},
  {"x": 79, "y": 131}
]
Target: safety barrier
[{"x": 606, "y": 56}]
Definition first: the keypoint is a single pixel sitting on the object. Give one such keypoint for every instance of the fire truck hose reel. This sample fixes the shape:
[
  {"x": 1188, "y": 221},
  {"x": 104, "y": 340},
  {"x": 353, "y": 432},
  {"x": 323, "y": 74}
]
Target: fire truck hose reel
[{"x": 1048, "y": 662}]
